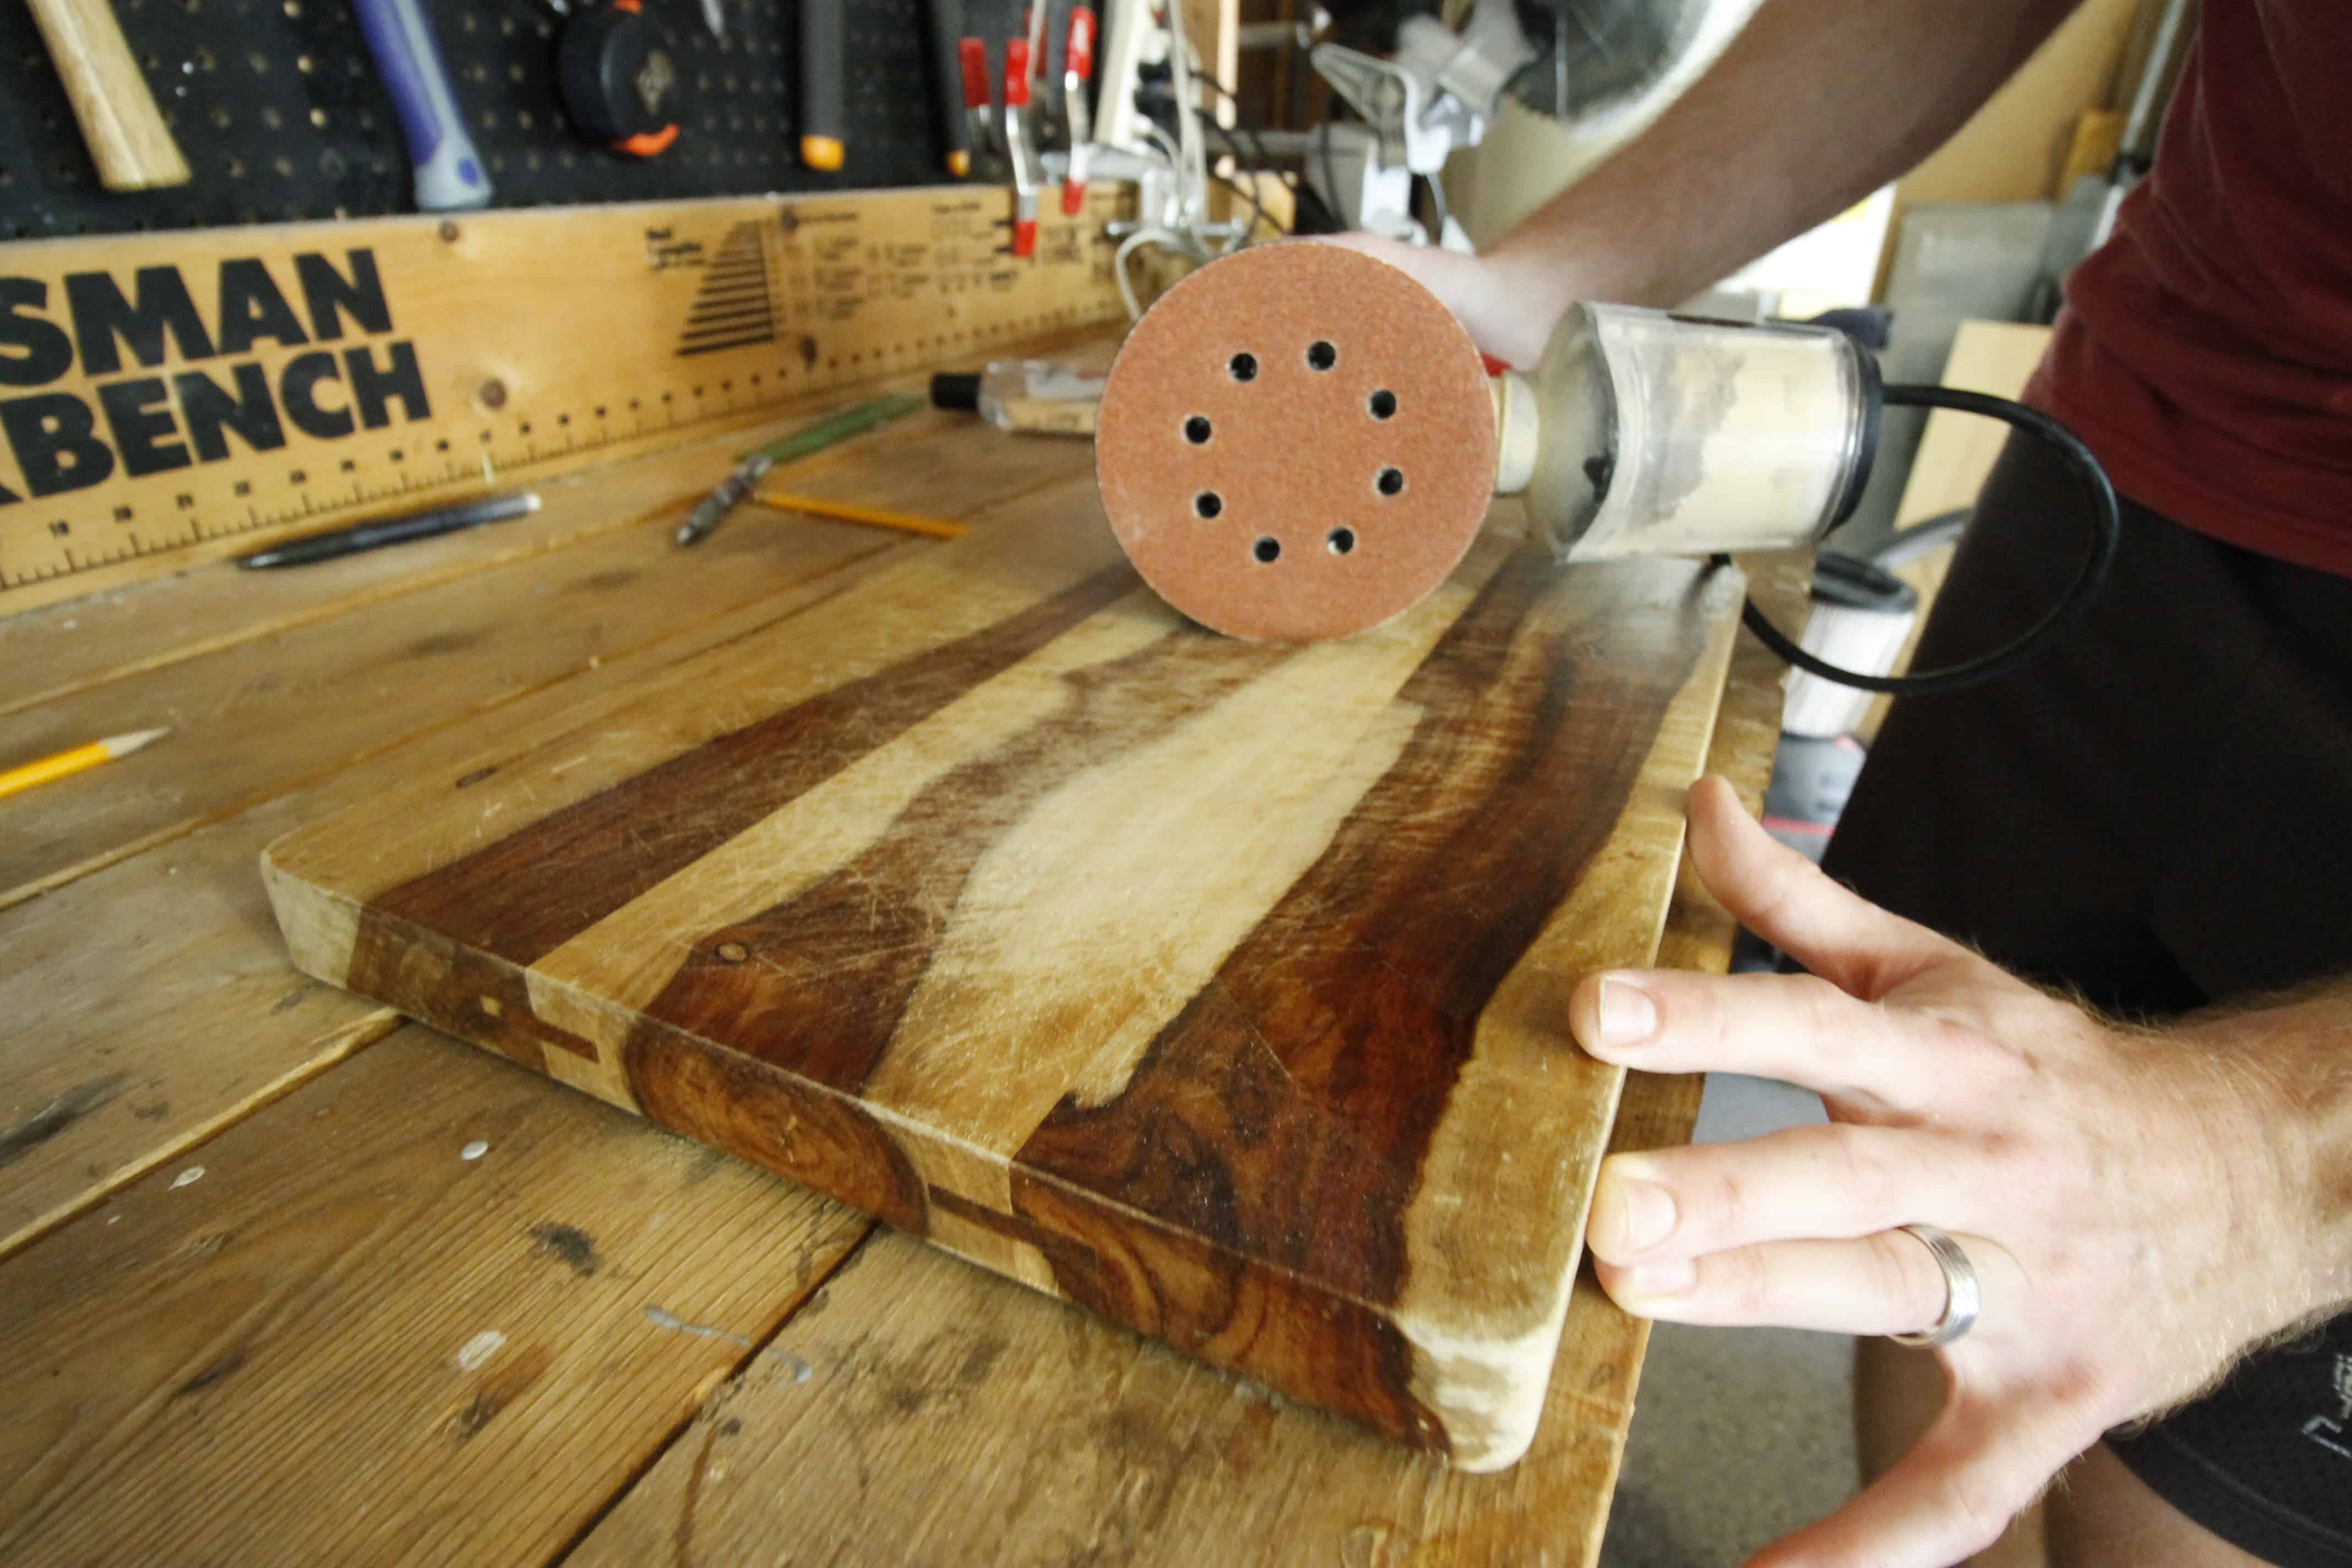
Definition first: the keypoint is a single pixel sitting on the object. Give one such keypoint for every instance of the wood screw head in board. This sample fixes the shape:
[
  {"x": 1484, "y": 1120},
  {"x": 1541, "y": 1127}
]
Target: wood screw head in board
[{"x": 1297, "y": 442}]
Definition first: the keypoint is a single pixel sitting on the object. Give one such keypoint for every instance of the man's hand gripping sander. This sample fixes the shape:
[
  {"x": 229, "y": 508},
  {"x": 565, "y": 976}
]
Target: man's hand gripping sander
[{"x": 1300, "y": 441}]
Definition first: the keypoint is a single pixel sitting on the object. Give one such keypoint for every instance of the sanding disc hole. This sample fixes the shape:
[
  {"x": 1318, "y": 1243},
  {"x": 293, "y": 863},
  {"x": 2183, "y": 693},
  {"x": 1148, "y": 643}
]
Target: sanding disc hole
[
  {"x": 1382, "y": 403},
  {"x": 1342, "y": 539},
  {"x": 1391, "y": 482},
  {"x": 1243, "y": 366},
  {"x": 1208, "y": 503},
  {"x": 1268, "y": 550},
  {"x": 1196, "y": 430},
  {"x": 1322, "y": 355}
]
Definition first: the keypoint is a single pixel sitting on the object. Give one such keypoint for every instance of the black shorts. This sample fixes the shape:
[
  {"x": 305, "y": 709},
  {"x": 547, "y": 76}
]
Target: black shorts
[{"x": 2157, "y": 811}]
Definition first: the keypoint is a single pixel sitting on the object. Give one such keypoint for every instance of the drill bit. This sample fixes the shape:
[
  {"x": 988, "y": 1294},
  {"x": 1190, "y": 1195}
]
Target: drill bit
[
  {"x": 829, "y": 432},
  {"x": 704, "y": 519}
]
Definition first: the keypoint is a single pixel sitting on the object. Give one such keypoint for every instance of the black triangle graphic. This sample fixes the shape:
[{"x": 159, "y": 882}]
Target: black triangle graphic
[{"x": 736, "y": 305}]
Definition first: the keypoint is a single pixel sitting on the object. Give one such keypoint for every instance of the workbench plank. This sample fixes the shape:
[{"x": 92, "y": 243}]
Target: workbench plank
[
  {"x": 322, "y": 695},
  {"x": 261, "y": 717},
  {"x": 951, "y": 1420},
  {"x": 153, "y": 1002},
  {"x": 336, "y": 1337},
  {"x": 931, "y": 461},
  {"x": 58, "y": 650},
  {"x": 1214, "y": 985}
]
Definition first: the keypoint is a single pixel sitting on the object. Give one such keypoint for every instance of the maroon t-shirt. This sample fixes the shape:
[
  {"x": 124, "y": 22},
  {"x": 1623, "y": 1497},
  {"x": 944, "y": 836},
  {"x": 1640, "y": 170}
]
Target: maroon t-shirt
[{"x": 2206, "y": 350}]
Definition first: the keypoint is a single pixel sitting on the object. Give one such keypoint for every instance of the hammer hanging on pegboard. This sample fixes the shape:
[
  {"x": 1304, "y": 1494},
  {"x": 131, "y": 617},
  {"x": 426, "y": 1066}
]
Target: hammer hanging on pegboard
[{"x": 128, "y": 139}]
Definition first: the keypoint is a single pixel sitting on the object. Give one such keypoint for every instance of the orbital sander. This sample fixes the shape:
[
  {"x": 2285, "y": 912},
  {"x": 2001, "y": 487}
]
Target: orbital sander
[{"x": 1299, "y": 442}]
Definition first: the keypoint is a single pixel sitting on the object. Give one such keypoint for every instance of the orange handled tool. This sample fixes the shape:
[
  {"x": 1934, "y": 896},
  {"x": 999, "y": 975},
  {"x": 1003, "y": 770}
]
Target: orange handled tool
[
  {"x": 824, "y": 115},
  {"x": 946, "y": 20}
]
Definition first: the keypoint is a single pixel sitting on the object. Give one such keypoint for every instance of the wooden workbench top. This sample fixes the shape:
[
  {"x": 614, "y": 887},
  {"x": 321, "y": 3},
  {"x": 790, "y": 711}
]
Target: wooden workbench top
[{"x": 287, "y": 1279}]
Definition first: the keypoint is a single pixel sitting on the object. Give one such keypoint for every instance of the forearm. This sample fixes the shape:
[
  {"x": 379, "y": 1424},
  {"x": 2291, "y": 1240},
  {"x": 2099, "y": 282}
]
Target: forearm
[
  {"x": 2291, "y": 1064},
  {"x": 1815, "y": 104}
]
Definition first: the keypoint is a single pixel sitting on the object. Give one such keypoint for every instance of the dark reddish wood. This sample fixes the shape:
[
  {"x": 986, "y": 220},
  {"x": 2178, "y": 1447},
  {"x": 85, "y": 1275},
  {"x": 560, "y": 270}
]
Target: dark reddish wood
[
  {"x": 818, "y": 985},
  {"x": 800, "y": 1130},
  {"x": 1284, "y": 1112},
  {"x": 523, "y": 896},
  {"x": 1252, "y": 1188}
]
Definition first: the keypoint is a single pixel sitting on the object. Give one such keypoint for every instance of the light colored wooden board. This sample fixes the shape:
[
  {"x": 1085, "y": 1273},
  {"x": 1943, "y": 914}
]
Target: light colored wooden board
[
  {"x": 1212, "y": 30},
  {"x": 152, "y": 1003},
  {"x": 2098, "y": 137},
  {"x": 989, "y": 1426},
  {"x": 499, "y": 363},
  {"x": 343, "y": 1342}
]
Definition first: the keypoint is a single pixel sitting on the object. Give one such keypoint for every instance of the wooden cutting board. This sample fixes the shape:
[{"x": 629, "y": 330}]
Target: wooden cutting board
[{"x": 1218, "y": 987}]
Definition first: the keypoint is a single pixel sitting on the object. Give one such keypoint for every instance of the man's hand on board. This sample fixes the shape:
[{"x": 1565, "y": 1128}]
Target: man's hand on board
[{"x": 2138, "y": 1207}]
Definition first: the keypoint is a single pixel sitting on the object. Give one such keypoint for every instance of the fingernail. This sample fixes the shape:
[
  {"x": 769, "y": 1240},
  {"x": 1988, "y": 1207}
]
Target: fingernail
[
  {"x": 1626, "y": 1016},
  {"x": 1667, "y": 1278},
  {"x": 1649, "y": 1214}
]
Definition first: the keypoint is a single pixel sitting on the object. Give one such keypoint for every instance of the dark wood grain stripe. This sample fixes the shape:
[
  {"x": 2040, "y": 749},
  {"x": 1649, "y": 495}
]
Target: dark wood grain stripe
[
  {"x": 1066, "y": 1253},
  {"x": 527, "y": 894},
  {"x": 1340, "y": 1356},
  {"x": 776, "y": 1120},
  {"x": 1287, "y": 1332},
  {"x": 819, "y": 984},
  {"x": 1285, "y": 1113},
  {"x": 457, "y": 991}
]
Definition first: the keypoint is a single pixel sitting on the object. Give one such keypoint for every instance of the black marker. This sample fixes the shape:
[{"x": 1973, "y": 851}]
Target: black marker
[{"x": 367, "y": 536}]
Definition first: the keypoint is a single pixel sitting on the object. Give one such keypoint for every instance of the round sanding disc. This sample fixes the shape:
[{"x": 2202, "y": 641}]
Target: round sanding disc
[{"x": 1295, "y": 443}]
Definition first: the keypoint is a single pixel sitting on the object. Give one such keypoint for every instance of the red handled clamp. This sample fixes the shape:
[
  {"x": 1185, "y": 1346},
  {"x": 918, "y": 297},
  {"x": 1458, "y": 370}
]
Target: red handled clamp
[
  {"x": 973, "y": 57},
  {"x": 1077, "y": 69},
  {"x": 1027, "y": 173}
]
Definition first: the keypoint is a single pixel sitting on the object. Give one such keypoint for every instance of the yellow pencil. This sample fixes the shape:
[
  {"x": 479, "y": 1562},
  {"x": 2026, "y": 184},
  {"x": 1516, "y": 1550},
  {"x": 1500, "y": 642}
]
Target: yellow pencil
[
  {"x": 17, "y": 779},
  {"x": 848, "y": 512}
]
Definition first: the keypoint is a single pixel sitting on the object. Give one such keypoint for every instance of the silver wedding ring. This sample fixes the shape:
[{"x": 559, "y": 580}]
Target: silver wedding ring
[{"x": 1961, "y": 1296}]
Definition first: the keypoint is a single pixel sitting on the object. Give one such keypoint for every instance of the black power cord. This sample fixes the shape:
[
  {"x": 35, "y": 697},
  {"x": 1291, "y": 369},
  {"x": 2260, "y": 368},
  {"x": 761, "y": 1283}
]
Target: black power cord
[
  {"x": 1259, "y": 215},
  {"x": 2107, "y": 524}
]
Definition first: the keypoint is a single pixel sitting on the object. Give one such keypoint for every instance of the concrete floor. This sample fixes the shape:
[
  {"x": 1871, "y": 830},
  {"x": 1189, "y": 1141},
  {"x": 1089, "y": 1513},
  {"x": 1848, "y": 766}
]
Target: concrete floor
[{"x": 1739, "y": 1435}]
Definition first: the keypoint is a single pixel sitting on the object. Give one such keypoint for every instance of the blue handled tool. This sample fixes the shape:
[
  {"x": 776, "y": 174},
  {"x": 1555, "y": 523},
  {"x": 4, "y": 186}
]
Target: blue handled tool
[{"x": 448, "y": 170}]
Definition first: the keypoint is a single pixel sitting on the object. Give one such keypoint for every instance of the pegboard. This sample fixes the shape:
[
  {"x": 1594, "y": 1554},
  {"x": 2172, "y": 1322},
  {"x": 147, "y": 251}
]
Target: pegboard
[{"x": 276, "y": 105}]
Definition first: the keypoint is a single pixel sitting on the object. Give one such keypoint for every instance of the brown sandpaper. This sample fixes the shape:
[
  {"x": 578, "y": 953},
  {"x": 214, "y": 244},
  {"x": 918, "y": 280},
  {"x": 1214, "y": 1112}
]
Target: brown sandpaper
[{"x": 1320, "y": 487}]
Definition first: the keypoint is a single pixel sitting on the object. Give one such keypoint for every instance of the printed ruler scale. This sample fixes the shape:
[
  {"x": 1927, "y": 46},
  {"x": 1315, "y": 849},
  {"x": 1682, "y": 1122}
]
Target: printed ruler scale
[{"x": 171, "y": 399}]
